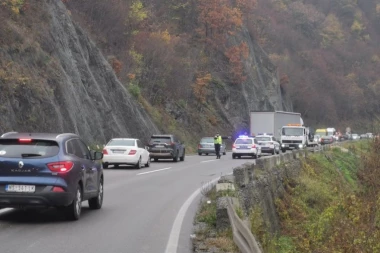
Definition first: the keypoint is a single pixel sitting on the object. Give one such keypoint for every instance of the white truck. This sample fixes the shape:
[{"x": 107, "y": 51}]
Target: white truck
[{"x": 286, "y": 127}]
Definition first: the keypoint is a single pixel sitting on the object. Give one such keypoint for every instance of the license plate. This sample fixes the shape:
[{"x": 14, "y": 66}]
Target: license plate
[
  {"x": 243, "y": 147},
  {"x": 20, "y": 188},
  {"x": 159, "y": 146},
  {"x": 118, "y": 151}
]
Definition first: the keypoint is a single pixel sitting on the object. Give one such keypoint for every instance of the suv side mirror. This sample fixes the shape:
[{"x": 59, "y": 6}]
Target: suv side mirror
[{"x": 95, "y": 155}]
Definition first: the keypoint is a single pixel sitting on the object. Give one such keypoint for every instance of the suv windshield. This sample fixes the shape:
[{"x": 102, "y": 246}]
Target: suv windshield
[
  {"x": 154, "y": 140},
  {"x": 243, "y": 141},
  {"x": 263, "y": 138},
  {"x": 121, "y": 143},
  {"x": 13, "y": 148},
  {"x": 207, "y": 140}
]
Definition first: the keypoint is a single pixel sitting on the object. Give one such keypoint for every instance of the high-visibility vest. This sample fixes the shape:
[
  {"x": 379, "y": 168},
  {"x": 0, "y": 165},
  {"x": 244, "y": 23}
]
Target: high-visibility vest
[{"x": 218, "y": 140}]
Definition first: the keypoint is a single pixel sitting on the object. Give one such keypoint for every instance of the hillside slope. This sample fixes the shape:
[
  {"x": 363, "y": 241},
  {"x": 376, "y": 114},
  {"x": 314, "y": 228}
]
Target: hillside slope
[{"x": 53, "y": 78}]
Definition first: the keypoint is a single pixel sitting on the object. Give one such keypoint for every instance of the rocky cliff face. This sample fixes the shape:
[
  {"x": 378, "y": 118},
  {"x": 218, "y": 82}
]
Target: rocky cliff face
[
  {"x": 260, "y": 92},
  {"x": 53, "y": 78}
]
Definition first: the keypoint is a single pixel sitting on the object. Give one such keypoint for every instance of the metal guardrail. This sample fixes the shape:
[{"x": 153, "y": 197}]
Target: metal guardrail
[{"x": 242, "y": 235}]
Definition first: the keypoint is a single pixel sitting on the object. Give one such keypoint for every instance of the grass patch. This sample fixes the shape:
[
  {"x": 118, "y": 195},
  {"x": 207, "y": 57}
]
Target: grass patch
[
  {"x": 208, "y": 235},
  {"x": 329, "y": 208}
]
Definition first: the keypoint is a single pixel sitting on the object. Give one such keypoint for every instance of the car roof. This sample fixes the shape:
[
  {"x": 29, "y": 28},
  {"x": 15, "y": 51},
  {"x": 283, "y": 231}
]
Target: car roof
[
  {"x": 40, "y": 136},
  {"x": 124, "y": 139}
]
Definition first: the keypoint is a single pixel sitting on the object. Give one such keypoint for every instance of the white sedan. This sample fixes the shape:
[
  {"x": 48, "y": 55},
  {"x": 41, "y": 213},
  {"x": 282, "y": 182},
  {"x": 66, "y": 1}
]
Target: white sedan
[
  {"x": 246, "y": 146},
  {"x": 125, "y": 151}
]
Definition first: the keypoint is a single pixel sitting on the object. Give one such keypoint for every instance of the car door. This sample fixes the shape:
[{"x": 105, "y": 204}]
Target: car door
[{"x": 90, "y": 169}]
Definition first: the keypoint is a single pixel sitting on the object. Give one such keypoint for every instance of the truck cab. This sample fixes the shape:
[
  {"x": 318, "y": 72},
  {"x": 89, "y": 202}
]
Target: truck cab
[{"x": 296, "y": 136}]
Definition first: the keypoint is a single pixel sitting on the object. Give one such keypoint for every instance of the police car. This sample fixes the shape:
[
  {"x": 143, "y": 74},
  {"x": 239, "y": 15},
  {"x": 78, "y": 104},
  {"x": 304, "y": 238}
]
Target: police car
[
  {"x": 268, "y": 143},
  {"x": 246, "y": 146}
]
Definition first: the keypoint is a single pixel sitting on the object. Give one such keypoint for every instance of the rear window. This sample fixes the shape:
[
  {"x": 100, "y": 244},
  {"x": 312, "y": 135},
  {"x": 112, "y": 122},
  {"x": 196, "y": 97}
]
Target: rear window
[
  {"x": 263, "y": 138},
  {"x": 243, "y": 141},
  {"x": 207, "y": 140},
  {"x": 13, "y": 148},
  {"x": 154, "y": 140},
  {"x": 121, "y": 143}
]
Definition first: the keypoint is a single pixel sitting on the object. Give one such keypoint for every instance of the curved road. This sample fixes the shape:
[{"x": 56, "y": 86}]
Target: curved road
[{"x": 144, "y": 211}]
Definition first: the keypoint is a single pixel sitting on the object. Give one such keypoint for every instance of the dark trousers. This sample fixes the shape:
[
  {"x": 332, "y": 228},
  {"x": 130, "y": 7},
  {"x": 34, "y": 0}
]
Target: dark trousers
[{"x": 217, "y": 150}]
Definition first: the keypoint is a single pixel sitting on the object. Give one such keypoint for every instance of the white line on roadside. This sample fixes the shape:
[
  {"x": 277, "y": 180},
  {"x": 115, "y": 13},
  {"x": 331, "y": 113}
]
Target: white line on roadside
[
  {"x": 5, "y": 210},
  {"x": 148, "y": 172},
  {"x": 172, "y": 245},
  {"x": 208, "y": 161}
]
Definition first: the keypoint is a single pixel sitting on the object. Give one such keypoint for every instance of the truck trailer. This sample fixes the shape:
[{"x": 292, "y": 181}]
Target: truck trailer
[{"x": 272, "y": 122}]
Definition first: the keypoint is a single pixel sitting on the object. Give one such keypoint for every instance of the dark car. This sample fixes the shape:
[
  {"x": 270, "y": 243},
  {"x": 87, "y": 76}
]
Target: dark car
[
  {"x": 327, "y": 139},
  {"x": 206, "y": 146},
  {"x": 49, "y": 170},
  {"x": 166, "y": 146}
]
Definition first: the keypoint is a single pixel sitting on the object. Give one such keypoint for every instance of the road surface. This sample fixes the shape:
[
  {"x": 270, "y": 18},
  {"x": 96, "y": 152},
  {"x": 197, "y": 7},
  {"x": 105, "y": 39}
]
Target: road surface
[{"x": 144, "y": 211}]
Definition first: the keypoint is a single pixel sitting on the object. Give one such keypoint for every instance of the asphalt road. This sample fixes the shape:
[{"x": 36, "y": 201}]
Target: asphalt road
[{"x": 144, "y": 211}]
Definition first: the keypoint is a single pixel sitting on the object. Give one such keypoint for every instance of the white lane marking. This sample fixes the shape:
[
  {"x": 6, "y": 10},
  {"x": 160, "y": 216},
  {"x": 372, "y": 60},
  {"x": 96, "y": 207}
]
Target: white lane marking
[
  {"x": 148, "y": 172},
  {"x": 172, "y": 245},
  {"x": 208, "y": 161},
  {"x": 5, "y": 210}
]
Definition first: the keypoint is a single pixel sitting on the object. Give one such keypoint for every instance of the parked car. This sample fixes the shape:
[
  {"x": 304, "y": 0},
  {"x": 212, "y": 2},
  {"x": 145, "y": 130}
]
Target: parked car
[
  {"x": 355, "y": 137},
  {"x": 246, "y": 146},
  {"x": 268, "y": 144},
  {"x": 328, "y": 139},
  {"x": 128, "y": 151},
  {"x": 166, "y": 146},
  {"x": 363, "y": 136},
  {"x": 49, "y": 170},
  {"x": 206, "y": 146}
]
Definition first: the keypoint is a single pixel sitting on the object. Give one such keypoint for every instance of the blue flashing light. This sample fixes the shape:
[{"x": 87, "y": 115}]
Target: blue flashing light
[{"x": 243, "y": 136}]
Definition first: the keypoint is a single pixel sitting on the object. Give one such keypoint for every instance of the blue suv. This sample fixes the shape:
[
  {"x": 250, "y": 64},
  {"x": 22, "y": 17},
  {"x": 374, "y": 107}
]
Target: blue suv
[{"x": 49, "y": 170}]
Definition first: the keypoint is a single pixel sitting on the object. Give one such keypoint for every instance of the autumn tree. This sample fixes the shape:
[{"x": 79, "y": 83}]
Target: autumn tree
[{"x": 200, "y": 87}]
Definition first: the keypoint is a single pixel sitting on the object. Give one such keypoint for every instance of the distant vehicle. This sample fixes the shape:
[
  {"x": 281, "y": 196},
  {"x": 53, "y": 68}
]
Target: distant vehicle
[
  {"x": 206, "y": 146},
  {"x": 125, "y": 151},
  {"x": 355, "y": 136},
  {"x": 317, "y": 138},
  {"x": 327, "y": 139},
  {"x": 246, "y": 146},
  {"x": 321, "y": 132},
  {"x": 166, "y": 146},
  {"x": 268, "y": 143},
  {"x": 369, "y": 135},
  {"x": 363, "y": 136},
  {"x": 296, "y": 136},
  {"x": 49, "y": 170}
]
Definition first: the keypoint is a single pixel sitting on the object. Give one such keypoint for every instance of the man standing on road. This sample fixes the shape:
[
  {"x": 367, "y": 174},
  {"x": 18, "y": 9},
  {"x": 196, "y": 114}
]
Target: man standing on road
[{"x": 217, "y": 143}]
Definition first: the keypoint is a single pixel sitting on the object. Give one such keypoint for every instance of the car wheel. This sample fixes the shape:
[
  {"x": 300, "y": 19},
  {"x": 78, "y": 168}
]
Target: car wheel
[
  {"x": 175, "y": 159},
  {"x": 233, "y": 156},
  {"x": 147, "y": 163},
  {"x": 206, "y": 153},
  {"x": 283, "y": 150},
  {"x": 105, "y": 165},
  {"x": 182, "y": 158},
  {"x": 97, "y": 202},
  {"x": 74, "y": 209},
  {"x": 224, "y": 153},
  {"x": 199, "y": 153},
  {"x": 156, "y": 159},
  {"x": 138, "y": 164}
]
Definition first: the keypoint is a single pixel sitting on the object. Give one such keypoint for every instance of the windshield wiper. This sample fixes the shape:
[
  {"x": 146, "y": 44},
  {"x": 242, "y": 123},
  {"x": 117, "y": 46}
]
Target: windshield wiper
[{"x": 30, "y": 155}]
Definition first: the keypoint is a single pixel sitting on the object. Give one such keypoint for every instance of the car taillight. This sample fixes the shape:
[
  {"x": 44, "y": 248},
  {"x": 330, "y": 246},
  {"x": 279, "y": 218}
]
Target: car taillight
[
  {"x": 57, "y": 189},
  {"x": 25, "y": 140},
  {"x": 63, "y": 166},
  {"x": 199, "y": 145},
  {"x": 132, "y": 152},
  {"x": 233, "y": 146},
  {"x": 253, "y": 146},
  {"x": 105, "y": 152}
]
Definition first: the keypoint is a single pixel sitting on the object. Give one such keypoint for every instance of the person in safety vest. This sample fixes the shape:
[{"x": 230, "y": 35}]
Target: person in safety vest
[{"x": 217, "y": 143}]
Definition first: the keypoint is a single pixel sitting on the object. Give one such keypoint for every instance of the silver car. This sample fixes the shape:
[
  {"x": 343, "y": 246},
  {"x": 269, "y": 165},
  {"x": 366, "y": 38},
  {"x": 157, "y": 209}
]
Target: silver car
[{"x": 206, "y": 146}]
